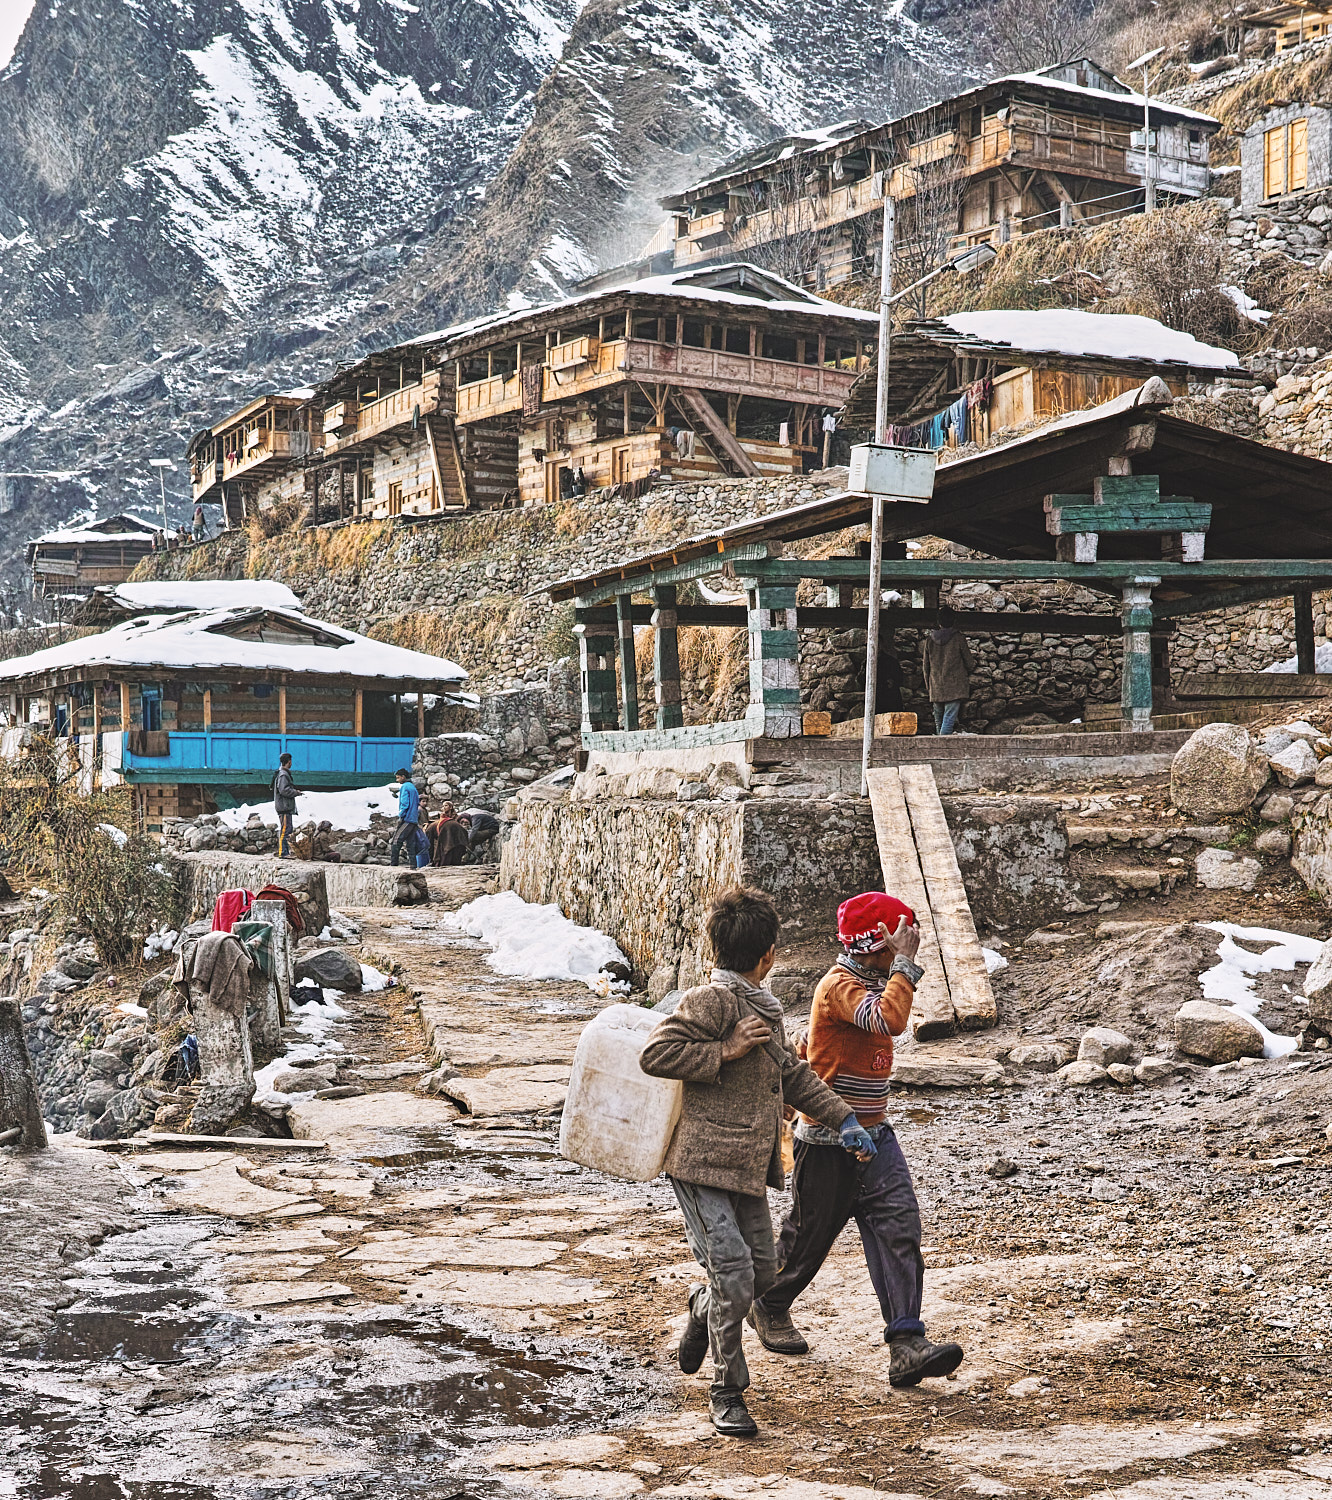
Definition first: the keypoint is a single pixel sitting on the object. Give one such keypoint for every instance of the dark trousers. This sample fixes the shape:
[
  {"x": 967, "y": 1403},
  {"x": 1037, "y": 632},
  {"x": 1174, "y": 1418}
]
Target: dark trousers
[
  {"x": 828, "y": 1187},
  {"x": 410, "y": 835},
  {"x": 284, "y": 835}
]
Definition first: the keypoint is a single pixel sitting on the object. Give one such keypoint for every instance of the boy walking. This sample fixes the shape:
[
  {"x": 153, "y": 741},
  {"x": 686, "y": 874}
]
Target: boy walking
[
  {"x": 408, "y": 831},
  {"x": 860, "y": 1005},
  {"x": 727, "y": 1044},
  {"x": 284, "y": 804}
]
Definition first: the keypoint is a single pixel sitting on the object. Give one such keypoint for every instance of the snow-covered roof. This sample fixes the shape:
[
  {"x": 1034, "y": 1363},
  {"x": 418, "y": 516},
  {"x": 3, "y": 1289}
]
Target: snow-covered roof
[
  {"x": 137, "y": 530},
  {"x": 197, "y": 640},
  {"x": 1066, "y": 330},
  {"x": 1105, "y": 96},
  {"x": 690, "y": 283},
  {"x": 171, "y": 598}
]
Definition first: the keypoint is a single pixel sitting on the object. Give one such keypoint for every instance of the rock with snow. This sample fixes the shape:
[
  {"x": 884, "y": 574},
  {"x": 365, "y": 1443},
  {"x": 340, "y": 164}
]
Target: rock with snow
[
  {"x": 1318, "y": 986},
  {"x": 1218, "y": 770},
  {"x": 330, "y": 969},
  {"x": 1083, "y": 1075},
  {"x": 1225, "y": 870},
  {"x": 1215, "y": 1033},
  {"x": 1296, "y": 764},
  {"x": 1103, "y": 1046},
  {"x": 1040, "y": 1057}
]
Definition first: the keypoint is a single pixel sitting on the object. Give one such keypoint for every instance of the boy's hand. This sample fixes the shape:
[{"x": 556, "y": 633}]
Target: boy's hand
[
  {"x": 748, "y": 1034},
  {"x": 857, "y": 1140},
  {"x": 905, "y": 942}
]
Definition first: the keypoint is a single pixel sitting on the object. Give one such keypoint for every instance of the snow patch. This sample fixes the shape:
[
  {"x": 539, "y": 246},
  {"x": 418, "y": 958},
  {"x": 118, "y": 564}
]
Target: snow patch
[
  {"x": 1230, "y": 982},
  {"x": 994, "y": 961},
  {"x": 350, "y": 812},
  {"x": 539, "y": 942},
  {"x": 1322, "y": 661},
  {"x": 1066, "y": 330}
]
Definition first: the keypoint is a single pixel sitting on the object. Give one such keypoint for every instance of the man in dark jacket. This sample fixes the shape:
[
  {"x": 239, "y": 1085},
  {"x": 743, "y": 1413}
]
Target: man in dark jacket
[
  {"x": 482, "y": 826},
  {"x": 726, "y": 1042},
  {"x": 284, "y": 804},
  {"x": 948, "y": 664}
]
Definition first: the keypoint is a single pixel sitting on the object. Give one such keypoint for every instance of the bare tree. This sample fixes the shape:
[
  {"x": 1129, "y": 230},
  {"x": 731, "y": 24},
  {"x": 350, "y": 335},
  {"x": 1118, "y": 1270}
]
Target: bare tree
[
  {"x": 929, "y": 215},
  {"x": 1025, "y": 34},
  {"x": 789, "y": 198}
]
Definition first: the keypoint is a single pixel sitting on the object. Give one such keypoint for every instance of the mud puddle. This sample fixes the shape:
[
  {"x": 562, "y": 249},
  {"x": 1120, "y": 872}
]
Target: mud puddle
[{"x": 149, "y": 1387}]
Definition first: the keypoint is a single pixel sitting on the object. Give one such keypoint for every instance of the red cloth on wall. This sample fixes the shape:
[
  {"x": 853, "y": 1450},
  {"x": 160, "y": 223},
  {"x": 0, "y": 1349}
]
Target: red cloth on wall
[
  {"x": 280, "y": 893},
  {"x": 229, "y": 908}
]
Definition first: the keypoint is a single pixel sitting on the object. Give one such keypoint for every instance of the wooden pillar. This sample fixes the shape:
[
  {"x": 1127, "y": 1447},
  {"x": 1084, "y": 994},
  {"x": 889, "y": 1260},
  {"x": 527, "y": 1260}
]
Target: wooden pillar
[
  {"x": 397, "y": 714},
  {"x": 96, "y": 767},
  {"x": 624, "y": 629},
  {"x": 357, "y": 712},
  {"x": 282, "y": 709},
  {"x": 124, "y": 707},
  {"x": 1304, "y": 630},
  {"x": 208, "y": 710},
  {"x": 1136, "y": 690},
  {"x": 774, "y": 668},
  {"x": 666, "y": 658},
  {"x": 596, "y": 655},
  {"x": 420, "y": 712}
]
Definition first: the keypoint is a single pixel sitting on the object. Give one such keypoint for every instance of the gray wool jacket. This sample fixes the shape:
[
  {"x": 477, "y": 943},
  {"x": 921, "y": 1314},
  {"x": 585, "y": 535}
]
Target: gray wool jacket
[
  {"x": 947, "y": 663},
  {"x": 729, "y": 1133}
]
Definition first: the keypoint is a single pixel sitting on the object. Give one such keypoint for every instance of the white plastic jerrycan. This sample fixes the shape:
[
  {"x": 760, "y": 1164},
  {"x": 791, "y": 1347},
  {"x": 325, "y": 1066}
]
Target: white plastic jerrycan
[{"x": 616, "y": 1118}]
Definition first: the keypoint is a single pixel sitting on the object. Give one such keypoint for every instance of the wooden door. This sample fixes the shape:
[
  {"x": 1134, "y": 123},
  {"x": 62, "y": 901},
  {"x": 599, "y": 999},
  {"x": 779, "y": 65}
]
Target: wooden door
[
  {"x": 621, "y": 465},
  {"x": 1274, "y": 162},
  {"x": 1297, "y": 166}
]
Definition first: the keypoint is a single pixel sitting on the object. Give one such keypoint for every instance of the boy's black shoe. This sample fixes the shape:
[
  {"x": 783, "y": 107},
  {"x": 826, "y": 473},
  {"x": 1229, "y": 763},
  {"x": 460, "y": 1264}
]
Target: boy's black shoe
[
  {"x": 776, "y": 1331},
  {"x": 694, "y": 1340},
  {"x": 730, "y": 1416},
  {"x": 915, "y": 1359}
]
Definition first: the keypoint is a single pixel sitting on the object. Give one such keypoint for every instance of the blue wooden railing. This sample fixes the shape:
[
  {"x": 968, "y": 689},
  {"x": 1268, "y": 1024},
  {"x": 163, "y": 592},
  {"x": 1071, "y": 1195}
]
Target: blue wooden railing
[{"x": 314, "y": 755}]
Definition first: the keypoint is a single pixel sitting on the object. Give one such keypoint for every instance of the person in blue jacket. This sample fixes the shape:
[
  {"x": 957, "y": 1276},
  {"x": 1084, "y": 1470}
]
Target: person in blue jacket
[{"x": 408, "y": 831}]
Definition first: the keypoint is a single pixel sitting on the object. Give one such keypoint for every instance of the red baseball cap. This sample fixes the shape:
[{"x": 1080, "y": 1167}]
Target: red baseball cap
[{"x": 858, "y": 920}]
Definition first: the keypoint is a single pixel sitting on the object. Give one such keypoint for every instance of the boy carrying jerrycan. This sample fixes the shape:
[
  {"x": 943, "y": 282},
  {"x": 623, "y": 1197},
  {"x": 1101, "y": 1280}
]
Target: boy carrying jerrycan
[{"x": 720, "y": 1076}]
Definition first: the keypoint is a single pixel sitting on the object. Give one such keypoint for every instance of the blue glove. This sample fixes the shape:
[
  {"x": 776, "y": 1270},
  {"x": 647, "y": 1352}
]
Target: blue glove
[{"x": 857, "y": 1140}]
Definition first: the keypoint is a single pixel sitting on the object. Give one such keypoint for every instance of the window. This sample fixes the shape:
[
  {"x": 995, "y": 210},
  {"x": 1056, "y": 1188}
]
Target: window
[
  {"x": 1286, "y": 159},
  {"x": 151, "y": 700}
]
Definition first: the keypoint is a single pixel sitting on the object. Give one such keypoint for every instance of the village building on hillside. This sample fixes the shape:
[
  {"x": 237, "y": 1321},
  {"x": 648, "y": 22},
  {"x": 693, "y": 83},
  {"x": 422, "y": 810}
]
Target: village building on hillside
[
  {"x": 229, "y": 460},
  {"x": 77, "y": 559},
  {"x": 1061, "y": 146},
  {"x": 721, "y": 370},
  {"x": 1293, "y": 23},
  {"x": 193, "y": 709},
  {"x": 1287, "y": 150}
]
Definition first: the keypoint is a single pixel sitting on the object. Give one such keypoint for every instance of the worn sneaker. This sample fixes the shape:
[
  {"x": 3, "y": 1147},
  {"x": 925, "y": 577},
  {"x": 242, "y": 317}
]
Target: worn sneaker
[
  {"x": 730, "y": 1416},
  {"x": 776, "y": 1331},
  {"x": 694, "y": 1340},
  {"x": 915, "y": 1359}
]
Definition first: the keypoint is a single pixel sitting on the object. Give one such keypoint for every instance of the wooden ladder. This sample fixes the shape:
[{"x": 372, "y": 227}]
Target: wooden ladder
[
  {"x": 722, "y": 440},
  {"x": 920, "y": 868},
  {"x": 446, "y": 462}
]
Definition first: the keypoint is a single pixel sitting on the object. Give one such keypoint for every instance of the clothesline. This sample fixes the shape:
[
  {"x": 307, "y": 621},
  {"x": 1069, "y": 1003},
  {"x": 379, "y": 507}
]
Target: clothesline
[{"x": 939, "y": 429}]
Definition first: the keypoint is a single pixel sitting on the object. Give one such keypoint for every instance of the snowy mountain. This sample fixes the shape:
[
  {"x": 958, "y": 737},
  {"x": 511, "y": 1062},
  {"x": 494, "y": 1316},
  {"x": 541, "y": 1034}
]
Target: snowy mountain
[{"x": 200, "y": 199}]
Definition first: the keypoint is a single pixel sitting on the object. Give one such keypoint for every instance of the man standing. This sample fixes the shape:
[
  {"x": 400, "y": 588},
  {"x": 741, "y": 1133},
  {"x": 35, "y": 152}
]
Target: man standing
[
  {"x": 200, "y": 527},
  {"x": 860, "y": 1005},
  {"x": 726, "y": 1042},
  {"x": 948, "y": 664},
  {"x": 284, "y": 804},
  {"x": 408, "y": 831}
]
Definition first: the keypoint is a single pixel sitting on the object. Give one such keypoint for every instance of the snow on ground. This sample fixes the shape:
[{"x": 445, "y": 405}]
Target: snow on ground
[
  {"x": 994, "y": 961},
  {"x": 372, "y": 980},
  {"x": 539, "y": 942},
  {"x": 314, "y": 1021},
  {"x": 347, "y": 811},
  {"x": 1322, "y": 660},
  {"x": 1230, "y": 981}
]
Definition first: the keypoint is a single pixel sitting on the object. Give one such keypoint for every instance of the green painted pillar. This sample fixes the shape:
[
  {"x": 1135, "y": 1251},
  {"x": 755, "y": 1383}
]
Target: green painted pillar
[
  {"x": 774, "y": 667},
  {"x": 624, "y": 625},
  {"x": 596, "y": 655},
  {"x": 1304, "y": 630},
  {"x": 1136, "y": 693},
  {"x": 666, "y": 658}
]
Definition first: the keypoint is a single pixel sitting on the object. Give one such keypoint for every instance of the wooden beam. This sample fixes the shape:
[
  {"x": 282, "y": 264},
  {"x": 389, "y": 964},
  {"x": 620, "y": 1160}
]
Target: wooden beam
[
  {"x": 1304, "y": 631},
  {"x": 819, "y": 617},
  {"x": 124, "y": 706},
  {"x": 207, "y": 710},
  {"x": 282, "y": 709},
  {"x": 624, "y": 629},
  {"x": 420, "y": 712},
  {"x": 357, "y": 712}
]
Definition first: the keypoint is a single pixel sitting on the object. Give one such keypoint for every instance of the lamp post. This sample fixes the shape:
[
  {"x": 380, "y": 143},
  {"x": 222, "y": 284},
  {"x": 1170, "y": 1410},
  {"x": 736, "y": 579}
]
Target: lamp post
[
  {"x": 1148, "y": 179},
  {"x": 162, "y": 465}
]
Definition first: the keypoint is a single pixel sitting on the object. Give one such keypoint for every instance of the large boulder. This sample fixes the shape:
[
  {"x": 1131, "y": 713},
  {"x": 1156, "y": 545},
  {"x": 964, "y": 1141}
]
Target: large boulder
[
  {"x": 1215, "y": 1033},
  {"x": 1224, "y": 870},
  {"x": 1103, "y": 1046},
  {"x": 1217, "y": 770},
  {"x": 1318, "y": 987},
  {"x": 330, "y": 969}
]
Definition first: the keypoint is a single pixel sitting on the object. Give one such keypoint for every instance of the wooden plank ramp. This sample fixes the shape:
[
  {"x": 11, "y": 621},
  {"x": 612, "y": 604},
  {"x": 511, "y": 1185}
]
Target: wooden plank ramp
[
  {"x": 920, "y": 867},
  {"x": 932, "y": 1013}
]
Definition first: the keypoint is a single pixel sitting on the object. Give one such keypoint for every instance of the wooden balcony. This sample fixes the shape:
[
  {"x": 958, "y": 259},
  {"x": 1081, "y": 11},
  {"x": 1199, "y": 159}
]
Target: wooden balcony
[
  {"x": 350, "y": 428},
  {"x": 268, "y": 449},
  {"x": 491, "y": 397}
]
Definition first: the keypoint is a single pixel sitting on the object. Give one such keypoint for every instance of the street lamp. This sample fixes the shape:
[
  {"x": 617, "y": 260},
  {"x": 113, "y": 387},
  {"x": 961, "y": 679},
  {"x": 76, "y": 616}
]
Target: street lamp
[
  {"x": 1148, "y": 181},
  {"x": 162, "y": 465}
]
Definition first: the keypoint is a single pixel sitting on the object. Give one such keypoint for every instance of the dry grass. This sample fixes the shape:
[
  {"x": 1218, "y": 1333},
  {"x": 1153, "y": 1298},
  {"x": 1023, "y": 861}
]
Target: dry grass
[{"x": 467, "y": 634}]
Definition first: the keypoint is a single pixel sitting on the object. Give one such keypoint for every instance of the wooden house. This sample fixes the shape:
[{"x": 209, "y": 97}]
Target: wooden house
[
  {"x": 79, "y": 558},
  {"x": 1286, "y": 150},
  {"x": 1032, "y": 151},
  {"x": 720, "y": 370},
  {"x": 194, "y": 708},
  {"x": 1293, "y": 23},
  {"x": 230, "y": 460}
]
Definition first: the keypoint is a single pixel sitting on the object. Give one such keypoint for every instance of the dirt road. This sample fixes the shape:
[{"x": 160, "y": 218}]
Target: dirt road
[{"x": 436, "y": 1304}]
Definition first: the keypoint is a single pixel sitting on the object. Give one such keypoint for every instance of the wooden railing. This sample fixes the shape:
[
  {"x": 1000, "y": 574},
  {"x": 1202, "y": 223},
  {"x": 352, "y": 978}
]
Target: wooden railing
[
  {"x": 386, "y": 412},
  {"x": 491, "y": 397},
  {"x": 271, "y": 446}
]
